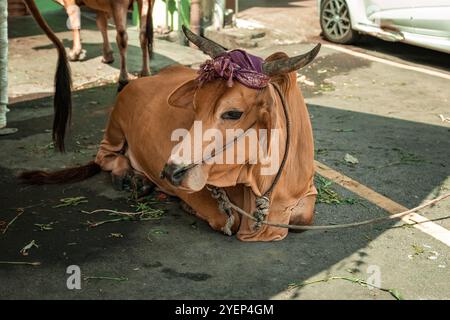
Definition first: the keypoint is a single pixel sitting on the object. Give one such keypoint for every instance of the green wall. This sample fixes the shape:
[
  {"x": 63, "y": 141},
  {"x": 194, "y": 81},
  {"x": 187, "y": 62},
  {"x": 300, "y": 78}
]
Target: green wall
[{"x": 47, "y": 5}]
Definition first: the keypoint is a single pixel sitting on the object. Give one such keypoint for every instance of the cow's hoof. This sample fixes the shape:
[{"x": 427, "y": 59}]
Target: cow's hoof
[
  {"x": 108, "y": 57},
  {"x": 141, "y": 186},
  {"x": 75, "y": 55},
  {"x": 144, "y": 73},
  {"x": 300, "y": 220},
  {"x": 122, "y": 182},
  {"x": 122, "y": 84}
]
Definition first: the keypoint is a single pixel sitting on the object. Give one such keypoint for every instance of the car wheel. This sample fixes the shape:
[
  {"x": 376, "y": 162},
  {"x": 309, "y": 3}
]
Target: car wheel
[{"x": 335, "y": 22}]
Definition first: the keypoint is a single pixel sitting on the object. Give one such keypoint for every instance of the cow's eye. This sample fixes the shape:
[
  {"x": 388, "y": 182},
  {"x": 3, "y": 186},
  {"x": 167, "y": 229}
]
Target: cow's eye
[{"x": 231, "y": 115}]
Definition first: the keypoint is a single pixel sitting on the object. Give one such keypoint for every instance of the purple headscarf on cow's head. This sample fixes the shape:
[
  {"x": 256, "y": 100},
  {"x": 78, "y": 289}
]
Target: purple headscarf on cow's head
[{"x": 235, "y": 65}]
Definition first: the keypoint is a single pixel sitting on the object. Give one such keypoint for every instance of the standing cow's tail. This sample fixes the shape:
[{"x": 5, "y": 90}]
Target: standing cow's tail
[
  {"x": 149, "y": 28},
  {"x": 68, "y": 175},
  {"x": 62, "y": 101}
]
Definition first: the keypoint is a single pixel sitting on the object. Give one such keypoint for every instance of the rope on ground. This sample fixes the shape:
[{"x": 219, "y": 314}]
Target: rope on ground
[{"x": 229, "y": 204}]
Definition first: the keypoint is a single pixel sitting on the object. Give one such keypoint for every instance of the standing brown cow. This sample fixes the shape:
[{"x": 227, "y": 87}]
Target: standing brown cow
[
  {"x": 117, "y": 9},
  {"x": 62, "y": 101}
]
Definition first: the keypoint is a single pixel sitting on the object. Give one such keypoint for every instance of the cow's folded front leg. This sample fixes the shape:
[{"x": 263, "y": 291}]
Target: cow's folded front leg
[
  {"x": 187, "y": 208},
  {"x": 303, "y": 213},
  {"x": 204, "y": 206},
  {"x": 121, "y": 171}
]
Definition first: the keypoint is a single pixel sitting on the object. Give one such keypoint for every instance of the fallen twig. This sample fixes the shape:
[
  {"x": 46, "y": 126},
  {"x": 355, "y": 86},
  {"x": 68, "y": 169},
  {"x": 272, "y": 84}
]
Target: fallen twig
[
  {"x": 31, "y": 205},
  {"x": 93, "y": 224},
  {"x": 45, "y": 226},
  {"x": 146, "y": 214},
  {"x": 114, "y": 212},
  {"x": 106, "y": 278},
  {"x": 24, "y": 250},
  {"x": 19, "y": 213},
  {"x": 21, "y": 263},
  {"x": 392, "y": 292}
]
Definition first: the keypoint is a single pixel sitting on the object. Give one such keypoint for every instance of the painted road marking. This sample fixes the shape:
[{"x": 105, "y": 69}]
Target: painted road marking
[
  {"x": 423, "y": 224},
  {"x": 388, "y": 62}
]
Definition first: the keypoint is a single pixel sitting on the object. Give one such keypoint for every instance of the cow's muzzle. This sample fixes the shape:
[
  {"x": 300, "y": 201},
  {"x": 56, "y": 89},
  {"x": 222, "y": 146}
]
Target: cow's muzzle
[{"x": 174, "y": 173}]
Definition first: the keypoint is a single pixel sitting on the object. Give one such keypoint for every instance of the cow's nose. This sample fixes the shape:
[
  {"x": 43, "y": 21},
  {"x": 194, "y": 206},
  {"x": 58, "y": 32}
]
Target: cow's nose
[{"x": 174, "y": 173}]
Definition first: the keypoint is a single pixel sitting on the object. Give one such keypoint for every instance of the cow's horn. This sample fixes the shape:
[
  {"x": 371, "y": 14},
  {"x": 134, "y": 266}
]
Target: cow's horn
[
  {"x": 209, "y": 47},
  {"x": 272, "y": 68}
]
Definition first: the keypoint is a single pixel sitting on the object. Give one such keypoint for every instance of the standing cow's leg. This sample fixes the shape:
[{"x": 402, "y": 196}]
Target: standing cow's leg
[
  {"x": 119, "y": 9},
  {"x": 145, "y": 8},
  {"x": 73, "y": 11},
  {"x": 102, "y": 25}
]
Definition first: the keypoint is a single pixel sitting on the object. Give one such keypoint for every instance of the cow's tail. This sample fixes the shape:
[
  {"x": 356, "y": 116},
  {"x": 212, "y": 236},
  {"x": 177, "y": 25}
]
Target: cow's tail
[
  {"x": 68, "y": 175},
  {"x": 149, "y": 28},
  {"x": 62, "y": 101}
]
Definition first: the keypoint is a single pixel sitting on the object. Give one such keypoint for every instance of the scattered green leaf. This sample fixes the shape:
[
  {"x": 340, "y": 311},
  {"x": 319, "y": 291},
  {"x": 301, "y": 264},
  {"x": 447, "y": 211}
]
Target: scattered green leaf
[
  {"x": 158, "y": 231},
  {"x": 45, "y": 226},
  {"x": 418, "y": 250},
  {"x": 115, "y": 235},
  {"x": 326, "y": 194},
  {"x": 71, "y": 202}
]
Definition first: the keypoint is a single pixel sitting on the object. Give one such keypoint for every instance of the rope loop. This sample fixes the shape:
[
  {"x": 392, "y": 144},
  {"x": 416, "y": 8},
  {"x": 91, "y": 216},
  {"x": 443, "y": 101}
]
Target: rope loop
[
  {"x": 224, "y": 206},
  {"x": 261, "y": 211}
]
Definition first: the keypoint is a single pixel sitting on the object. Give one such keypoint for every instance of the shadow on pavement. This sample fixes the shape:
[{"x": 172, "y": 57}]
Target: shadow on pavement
[
  {"x": 57, "y": 20},
  {"x": 406, "y": 52},
  {"x": 134, "y": 56},
  {"x": 243, "y": 5}
]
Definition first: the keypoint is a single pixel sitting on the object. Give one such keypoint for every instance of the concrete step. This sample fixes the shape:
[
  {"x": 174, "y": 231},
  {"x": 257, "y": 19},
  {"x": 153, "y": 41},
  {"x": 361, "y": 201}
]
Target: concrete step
[{"x": 232, "y": 38}]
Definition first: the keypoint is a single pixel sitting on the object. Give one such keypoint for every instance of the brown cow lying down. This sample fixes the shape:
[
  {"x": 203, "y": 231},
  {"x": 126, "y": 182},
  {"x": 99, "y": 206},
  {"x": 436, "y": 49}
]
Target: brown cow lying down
[{"x": 138, "y": 142}]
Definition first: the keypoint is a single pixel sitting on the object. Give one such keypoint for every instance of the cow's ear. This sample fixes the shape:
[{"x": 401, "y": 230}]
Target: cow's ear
[{"x": 183, "y": 96}]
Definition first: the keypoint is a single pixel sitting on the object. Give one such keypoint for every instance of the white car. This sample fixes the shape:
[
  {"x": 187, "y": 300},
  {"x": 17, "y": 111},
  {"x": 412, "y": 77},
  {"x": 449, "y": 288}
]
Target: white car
[{"x": 425, "y": 23}]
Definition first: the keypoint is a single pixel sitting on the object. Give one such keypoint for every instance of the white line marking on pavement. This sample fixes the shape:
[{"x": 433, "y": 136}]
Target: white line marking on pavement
[
  {"x": 421, "y": 223},
  {"x": 388, "y": 62}
]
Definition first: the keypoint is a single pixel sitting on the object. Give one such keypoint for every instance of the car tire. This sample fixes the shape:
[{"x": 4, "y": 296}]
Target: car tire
[{"x": 335, "y": 22}]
